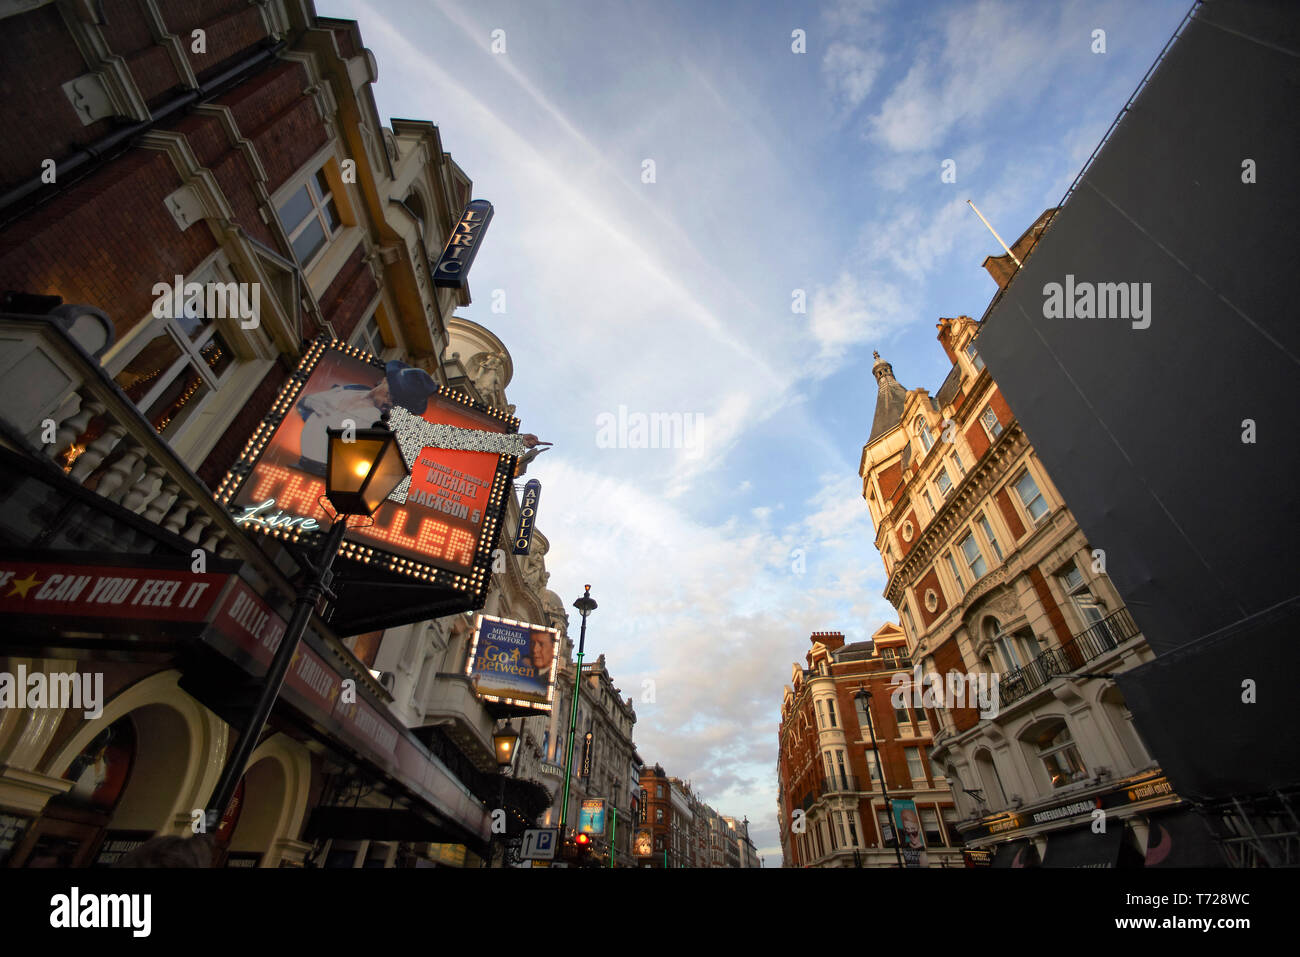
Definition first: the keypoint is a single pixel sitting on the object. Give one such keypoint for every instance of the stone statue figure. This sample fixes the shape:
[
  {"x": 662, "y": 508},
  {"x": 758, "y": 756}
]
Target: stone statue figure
[
  {"x": 487, "y": 371},
  {"x": 532, "y": 566}
]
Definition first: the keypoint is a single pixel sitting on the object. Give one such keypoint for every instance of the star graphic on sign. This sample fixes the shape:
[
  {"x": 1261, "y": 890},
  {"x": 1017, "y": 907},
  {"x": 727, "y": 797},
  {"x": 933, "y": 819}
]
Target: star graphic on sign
[{"x": 23, "y": 585}]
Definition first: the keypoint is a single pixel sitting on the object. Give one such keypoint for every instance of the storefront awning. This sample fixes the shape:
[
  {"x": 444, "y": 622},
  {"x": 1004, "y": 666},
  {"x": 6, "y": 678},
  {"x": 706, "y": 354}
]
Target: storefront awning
[
  {"x": 377, "y": 824},
  {"x": 1016, "y": 854},
  {"x": 1082, "y": 847},
  {"x": 1182, "y": 839}
]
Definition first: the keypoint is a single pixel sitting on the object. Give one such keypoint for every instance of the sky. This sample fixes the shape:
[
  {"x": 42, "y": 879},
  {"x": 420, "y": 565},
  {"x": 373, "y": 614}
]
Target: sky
[{"x": 695, "y": 216}]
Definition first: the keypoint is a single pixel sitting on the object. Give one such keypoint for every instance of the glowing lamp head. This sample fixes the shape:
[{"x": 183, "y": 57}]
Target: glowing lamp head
[
  {"x": 582, "y": 840},
  {"x": 586, "y": 604},
  {"x": 504, "y": 741},
  {"x": 362, "y": 468}
]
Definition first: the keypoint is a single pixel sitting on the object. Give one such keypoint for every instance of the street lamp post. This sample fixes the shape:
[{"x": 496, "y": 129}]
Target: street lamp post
[
  {"x": 504, "y": 741},
  {"x": 363, "y": 467},
  {"x": 613, "y": 832},
  {"x": 863, "y": 695},
  {"x": 585, "y": 605}
]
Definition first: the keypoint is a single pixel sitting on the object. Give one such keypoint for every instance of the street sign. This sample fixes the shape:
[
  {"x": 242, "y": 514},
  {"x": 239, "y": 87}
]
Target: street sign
[{"x": 540, "y": 844}]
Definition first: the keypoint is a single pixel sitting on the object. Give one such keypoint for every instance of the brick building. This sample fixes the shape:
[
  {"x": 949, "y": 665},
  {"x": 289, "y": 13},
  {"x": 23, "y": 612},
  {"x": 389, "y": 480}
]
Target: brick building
[
  {"x": 832, "y": 810},
  {"x": 237, "y": 146},
  {"x": 998, "y": 588}
]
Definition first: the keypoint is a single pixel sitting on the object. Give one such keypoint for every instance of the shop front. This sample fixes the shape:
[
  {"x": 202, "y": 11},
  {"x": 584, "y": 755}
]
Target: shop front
[
  {"x": 1137, "y": 822},
  {"x": 125, "y": 672}
]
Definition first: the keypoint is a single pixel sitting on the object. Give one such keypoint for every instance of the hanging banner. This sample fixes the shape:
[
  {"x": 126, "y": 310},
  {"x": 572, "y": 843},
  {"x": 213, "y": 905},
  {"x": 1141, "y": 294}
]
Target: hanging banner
[
  {"x": 452, "y": 266},
  {"x": 527, "y": 515},
  {"x": 591, "y": 817},
  {"x": 907, "y": 824},
  {"x": 513, "y": 663}
]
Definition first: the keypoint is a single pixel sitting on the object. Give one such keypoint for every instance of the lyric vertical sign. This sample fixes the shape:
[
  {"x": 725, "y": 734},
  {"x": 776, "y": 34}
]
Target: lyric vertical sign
[{"x": 452, "y": 266}]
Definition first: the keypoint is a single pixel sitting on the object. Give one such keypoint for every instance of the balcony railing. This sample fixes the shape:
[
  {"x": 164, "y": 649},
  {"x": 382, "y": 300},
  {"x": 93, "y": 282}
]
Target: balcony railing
[{"x": 1093, "y": 642}]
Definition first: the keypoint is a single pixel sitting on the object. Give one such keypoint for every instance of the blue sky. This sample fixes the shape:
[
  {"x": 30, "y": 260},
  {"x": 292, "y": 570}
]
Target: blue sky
[{"x": 775, "y": 171}]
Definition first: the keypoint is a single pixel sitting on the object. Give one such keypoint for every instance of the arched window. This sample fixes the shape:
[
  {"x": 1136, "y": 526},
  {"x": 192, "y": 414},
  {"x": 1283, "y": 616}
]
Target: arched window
[
  {"x": 923, "y": 433},
  {"x": 1014, "y": 651},
  {"x": 415, "y": 203},
  {"x": 1054, "y": 746},
  {"x": 994, "y": 794}
]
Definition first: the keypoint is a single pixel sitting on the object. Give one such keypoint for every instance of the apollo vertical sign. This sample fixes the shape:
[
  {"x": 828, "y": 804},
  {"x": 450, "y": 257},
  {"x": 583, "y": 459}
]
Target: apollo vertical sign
[
  {"x": 527, "y": 515},
  {"x": 457, "y": 256}
]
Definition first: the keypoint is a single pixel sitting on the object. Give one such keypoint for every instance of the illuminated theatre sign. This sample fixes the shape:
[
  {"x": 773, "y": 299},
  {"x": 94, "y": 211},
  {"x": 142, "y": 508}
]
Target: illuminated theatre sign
[
  {"x": 452, "y": 266},
  {"x": 440, "y": 529},
  {"x": 513, "y": 663},
  {"x": 527, "y": 515}
]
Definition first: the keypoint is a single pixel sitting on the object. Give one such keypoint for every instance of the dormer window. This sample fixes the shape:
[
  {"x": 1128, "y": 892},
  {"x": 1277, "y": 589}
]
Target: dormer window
[
  {"x": 976, "y": 362},
  {"x": 923, "y": 433}
]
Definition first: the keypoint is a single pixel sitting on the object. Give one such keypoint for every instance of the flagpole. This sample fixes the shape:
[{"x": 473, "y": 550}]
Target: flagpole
[{"x": 995, "y": 234}]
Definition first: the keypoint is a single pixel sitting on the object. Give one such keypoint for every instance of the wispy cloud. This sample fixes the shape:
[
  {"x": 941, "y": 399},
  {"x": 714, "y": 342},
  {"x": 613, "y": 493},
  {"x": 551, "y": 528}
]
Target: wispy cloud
[{"x": 675, "y": 296}]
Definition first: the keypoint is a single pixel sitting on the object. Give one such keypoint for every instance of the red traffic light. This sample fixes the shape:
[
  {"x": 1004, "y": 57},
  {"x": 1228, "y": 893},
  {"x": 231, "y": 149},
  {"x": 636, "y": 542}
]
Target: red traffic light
[{"x": 583, "y": 839}]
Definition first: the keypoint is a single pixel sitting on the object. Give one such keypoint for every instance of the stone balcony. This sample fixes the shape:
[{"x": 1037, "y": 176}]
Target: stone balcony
[{"x": 62, "y": 405}]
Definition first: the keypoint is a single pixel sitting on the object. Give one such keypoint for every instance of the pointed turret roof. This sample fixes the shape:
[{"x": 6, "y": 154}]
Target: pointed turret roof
[{"x": 889, "y": 400}]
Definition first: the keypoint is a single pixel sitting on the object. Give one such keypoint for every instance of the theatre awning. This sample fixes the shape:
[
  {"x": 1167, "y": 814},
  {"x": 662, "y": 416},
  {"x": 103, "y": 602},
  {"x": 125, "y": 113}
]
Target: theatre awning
[
  {"x": 1016, "y": 854},
  {"x": 1182, "y": 839},
  {"x": 377, "y": 824},
  {"x": 1082, "y": 847}
]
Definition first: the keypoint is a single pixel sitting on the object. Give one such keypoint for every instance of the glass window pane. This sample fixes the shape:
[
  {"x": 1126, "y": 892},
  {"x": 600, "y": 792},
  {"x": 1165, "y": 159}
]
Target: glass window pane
[
  {"x": 991, "y": 422},
  {"x": 182, "y": 395},
  {"x": 332, "y": 216},
  {"x": 217, "y": 354},
  {"x": 192, "y": 319},
  {"x": 295, "y": 209},
  {"x": 322, "y": 183},
  {"x": 142, "y": 373},
  {"x": 988, "y": 533},
  {"x": 952, "y": 567},
  {"x": 309, "y": 241}
]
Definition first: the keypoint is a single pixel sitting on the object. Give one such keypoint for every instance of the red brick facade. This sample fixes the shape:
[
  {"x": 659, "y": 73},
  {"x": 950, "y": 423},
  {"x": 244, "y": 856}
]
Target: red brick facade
[{"x": 809, "y": 733}]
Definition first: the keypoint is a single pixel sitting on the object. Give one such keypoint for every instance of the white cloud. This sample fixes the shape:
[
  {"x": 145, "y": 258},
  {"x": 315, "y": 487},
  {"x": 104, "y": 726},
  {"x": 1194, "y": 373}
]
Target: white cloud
[
  {"x": 988, "y": 56},
  {"x": 845, "y": 314},
  {"x": 850, "y": 72}
]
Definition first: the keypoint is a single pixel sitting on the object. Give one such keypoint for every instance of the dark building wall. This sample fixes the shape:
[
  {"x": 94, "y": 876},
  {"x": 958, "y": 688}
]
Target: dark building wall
[
  {"x": 1141, "y": 428},
  {"x": 1145, "y": 430}
]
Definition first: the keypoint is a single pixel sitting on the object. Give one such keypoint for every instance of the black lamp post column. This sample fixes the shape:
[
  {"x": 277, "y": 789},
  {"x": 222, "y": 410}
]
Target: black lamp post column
[
  {"x": 585, "y": 605},
  {"x": 865, "y": 696},
  {"x": 270, "y": 691},
  {"x": 362, "y": 469}
]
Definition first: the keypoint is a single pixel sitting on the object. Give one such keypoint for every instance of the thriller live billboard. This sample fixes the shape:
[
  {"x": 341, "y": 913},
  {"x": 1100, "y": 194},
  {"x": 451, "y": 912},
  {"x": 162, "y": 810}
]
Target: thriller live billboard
[{"x": 444, "y": 532}]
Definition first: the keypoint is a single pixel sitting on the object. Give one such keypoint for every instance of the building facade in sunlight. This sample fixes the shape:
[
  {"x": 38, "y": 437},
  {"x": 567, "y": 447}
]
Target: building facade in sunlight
[
  {"x": 254, "y": 161},
  {"x": 605, "y": 766},
  {"x": 677, "y": 829},
  {"x": 1012, "y": 628},
  {"x": 832, "y": 810}
]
